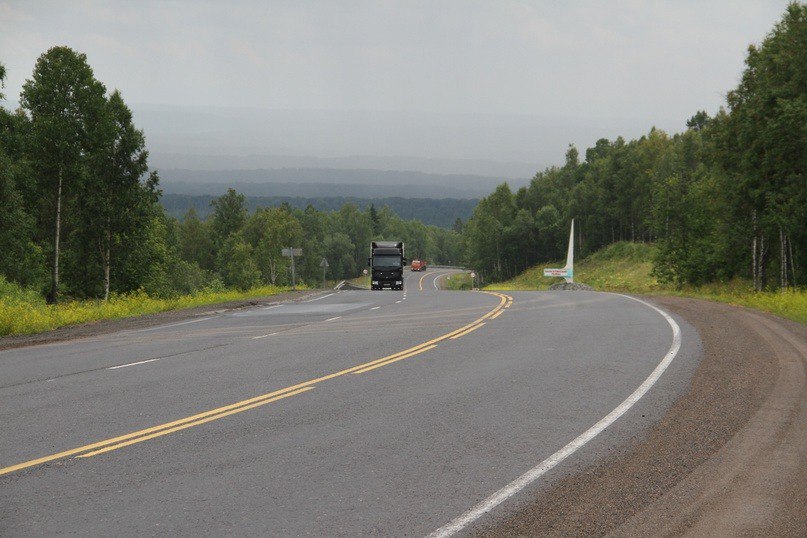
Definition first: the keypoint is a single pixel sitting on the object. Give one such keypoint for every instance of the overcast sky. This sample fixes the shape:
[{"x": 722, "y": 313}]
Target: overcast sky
[{"x": 651, "y": 61}]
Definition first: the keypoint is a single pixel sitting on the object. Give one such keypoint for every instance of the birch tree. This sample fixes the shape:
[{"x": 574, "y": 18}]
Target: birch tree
[{"x": 65, "y": 103}]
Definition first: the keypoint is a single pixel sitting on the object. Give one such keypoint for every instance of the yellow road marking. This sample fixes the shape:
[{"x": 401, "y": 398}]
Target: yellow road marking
[
  {"x": 463, "y": 333},
  {"x": 190, "y": 424},
  {"x": 420, "y": 283},
  {"x": 402, "y": 357},
  {"x": 497, "y": 314},
  {"x": 220, "y": 412}
]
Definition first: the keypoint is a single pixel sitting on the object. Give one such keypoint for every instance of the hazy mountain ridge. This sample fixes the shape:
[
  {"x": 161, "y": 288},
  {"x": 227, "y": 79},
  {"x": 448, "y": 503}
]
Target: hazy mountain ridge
[
  {"x": 319, "y": 182},
  {"x": 439, "y": 212}
]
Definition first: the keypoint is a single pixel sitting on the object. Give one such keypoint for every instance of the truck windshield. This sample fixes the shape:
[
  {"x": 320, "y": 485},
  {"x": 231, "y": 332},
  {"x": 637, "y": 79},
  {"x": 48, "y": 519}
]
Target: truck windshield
[{"x": 386, "y": 261}]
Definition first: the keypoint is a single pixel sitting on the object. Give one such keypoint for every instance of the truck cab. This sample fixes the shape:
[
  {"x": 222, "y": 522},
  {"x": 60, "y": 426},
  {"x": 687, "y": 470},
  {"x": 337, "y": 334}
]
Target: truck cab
[
  {"x": 386, "y": 265},
  {"x": 418, "y": 265}
]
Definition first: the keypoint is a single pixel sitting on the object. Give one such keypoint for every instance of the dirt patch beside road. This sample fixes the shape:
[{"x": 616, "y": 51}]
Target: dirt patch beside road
[
  {"x": 727, "y": 459},
  {"x": 108, "y": 326}
]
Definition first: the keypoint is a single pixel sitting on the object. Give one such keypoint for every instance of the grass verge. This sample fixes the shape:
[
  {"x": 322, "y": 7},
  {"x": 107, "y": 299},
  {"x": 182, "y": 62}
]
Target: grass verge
[
  {"x": 626, "y": 267},
  {"x": 25, "y": 312}
]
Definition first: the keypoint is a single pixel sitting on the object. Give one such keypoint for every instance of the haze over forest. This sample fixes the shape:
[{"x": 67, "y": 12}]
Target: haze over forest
[{"x": 496, "y": 91}]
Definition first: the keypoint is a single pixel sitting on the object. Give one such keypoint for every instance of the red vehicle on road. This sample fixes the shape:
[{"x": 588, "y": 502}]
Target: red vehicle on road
[{"x": 418, "y": 265}]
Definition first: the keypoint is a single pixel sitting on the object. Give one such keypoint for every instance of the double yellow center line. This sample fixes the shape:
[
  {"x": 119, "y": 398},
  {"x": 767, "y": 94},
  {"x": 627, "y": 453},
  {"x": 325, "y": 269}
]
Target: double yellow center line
[{"x": 146, "y": 434}]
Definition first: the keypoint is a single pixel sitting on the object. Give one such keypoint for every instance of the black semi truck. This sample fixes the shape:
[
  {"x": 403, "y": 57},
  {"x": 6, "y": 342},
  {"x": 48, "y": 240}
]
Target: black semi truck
[{"x": 386, "y": 265}]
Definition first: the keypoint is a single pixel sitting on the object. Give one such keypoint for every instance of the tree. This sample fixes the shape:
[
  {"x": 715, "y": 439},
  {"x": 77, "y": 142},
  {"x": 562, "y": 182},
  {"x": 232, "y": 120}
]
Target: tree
[
  {"x": 768, "y": 124},
  {"x": 114, "y": 198},
  {"x": 236, "y": 265},
  {"x": 229, "y": 215},
  {"x": 65, "y": 103},
  {"x": 195, "y": 241}
]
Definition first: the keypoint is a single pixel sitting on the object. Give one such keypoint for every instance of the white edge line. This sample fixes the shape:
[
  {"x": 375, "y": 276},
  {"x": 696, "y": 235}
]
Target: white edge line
[
  {"x": 172, "y": 325},
  {"x": 542, "y": 468},
  {"x": 263, "y": 336},
  {"x": 438, "y": 277},
  {"x": 131, "y": 364},
  {"x": 318, "y": 298}
]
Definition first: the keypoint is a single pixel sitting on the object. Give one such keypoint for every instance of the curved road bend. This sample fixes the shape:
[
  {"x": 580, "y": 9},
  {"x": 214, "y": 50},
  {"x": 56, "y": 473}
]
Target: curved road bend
[{"x": 350, "y": 413}]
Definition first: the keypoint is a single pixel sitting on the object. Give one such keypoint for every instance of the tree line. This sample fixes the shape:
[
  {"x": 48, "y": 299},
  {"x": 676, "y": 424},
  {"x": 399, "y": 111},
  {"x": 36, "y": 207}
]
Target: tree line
[
  {"x": 442, "y": 212},
  {"x": 726, "y": 198},
  {"x": 80, "y": 213}
]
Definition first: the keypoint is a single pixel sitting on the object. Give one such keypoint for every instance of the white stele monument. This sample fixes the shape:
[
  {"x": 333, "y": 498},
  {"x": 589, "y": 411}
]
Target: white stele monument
[{"x": 568, "y": 271}]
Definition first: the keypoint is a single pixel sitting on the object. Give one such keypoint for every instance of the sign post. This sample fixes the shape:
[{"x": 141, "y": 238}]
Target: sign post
[
  {"x": 567, "y": 272},
  {"x": 291, "y": 253},
  {"x": 324, "y": 264}
]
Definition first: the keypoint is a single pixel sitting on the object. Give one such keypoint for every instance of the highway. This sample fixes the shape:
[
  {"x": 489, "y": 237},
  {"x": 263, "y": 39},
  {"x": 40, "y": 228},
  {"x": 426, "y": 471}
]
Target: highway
[{"x": 345, "y": 413}]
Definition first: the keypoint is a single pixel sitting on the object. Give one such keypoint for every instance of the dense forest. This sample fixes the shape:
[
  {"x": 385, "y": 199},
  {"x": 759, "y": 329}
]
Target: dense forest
[
  {"x": 442, "y": 212},
  {"x": 80, "y": 213},
  {"x": 726, "y": 198}
]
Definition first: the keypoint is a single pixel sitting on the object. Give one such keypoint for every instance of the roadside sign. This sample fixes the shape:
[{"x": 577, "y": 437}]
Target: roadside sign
[
  {"x": 289, "y": 252},
  {"x": 324, "y": 263},
  {"x": 565, "y": 273}
]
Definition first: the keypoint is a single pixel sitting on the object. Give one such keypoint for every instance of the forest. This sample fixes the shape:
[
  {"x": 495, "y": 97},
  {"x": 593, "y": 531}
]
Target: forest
[
  {"x": 726, "y": 198},
  {"x": 442, "y": 212},
  {"x": 80, "y": 215},
  {"x": 80, "y": 212}
]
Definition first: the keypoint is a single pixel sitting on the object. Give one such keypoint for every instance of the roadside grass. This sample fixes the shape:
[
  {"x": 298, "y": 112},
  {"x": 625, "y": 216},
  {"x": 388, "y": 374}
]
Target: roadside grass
[
  {"x": 625, "y": 268},
  {"x": 458, "y": 281},
  {"x": 25, "y": 312}
]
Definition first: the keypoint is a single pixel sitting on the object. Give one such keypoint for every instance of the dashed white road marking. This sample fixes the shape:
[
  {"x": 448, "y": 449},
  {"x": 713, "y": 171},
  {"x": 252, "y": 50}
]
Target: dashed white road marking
[
  {"x": 375, "y": 308},
  {"x": 332, "y": 319},
  {"x": 172, "y": 325},
  {"x": 131, "y": 364},
  {"x": 542, "y": 468},
  {"x": 318, "y": 298},
  {"x": 263, "y": 336},
  {"x": 397, "y": 302}
]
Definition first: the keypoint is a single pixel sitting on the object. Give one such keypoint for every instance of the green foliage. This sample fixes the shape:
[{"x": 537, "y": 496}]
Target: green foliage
[
  {"x": 236, "y": 265},
  {"x": 24, "y": 312},
  {"x": 626, "y": 267}
]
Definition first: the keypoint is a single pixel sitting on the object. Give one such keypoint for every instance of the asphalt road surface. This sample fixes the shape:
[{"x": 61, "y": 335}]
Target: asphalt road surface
[{"x": 349, "y": 413}]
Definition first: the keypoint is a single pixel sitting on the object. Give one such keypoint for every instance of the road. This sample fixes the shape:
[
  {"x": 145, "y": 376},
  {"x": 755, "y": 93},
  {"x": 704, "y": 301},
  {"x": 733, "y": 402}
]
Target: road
[{"x": 350, "y": 413}]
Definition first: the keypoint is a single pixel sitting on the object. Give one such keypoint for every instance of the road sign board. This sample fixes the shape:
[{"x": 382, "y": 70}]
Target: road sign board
[
  {"x": 324, "y": 263},
  {"x": 289, "y": 252},
  {"x": 565, "y": 273}
]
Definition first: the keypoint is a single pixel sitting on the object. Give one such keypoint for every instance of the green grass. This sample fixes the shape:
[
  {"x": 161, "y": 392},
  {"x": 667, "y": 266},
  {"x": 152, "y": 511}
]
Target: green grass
[
  {"x": 458, "y": 281},
  {"x": 626, "y": 267},
  {"x": 25, "y": 312}
]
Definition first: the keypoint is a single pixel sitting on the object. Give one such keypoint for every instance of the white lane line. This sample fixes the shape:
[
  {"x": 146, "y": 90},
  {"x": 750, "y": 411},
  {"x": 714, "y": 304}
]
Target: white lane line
[
  {"x": 131, "y": 364},
  {"x": 436, "y": 279},
  {"x": 375, "y": 308},
  {"x": 542, "y": 468},
  {"x": 332, "y": 319},
  {"x": 318, "y": 298},
  {"x": 173, "y": 325},
  {"x": 397, "y": 302},
  {"x": 263, "y": 336}
]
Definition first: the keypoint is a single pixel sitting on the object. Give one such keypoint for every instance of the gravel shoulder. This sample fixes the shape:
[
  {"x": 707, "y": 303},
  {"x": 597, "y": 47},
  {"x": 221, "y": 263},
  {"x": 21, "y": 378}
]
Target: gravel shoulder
[
  {"x": 108, "y": 326},
  {"x": 728, "y": 458}
]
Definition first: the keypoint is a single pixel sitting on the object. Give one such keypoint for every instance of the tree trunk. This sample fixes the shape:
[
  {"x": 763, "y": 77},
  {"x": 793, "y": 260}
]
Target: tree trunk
[
  {"x": 792, "y": 262},
  {"x": 782, "y": 260},
  {"x": 53, "y": 297},
  {"x": 763, "y": 262},
  {"x": 106, "y": 257},
  {"x": 754, "y": 267}
]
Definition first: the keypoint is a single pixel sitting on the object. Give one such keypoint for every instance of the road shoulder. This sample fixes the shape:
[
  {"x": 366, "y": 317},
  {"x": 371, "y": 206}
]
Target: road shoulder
[
  {"x": 108, "y": 326},
  {"x": 727, "y": 458}
]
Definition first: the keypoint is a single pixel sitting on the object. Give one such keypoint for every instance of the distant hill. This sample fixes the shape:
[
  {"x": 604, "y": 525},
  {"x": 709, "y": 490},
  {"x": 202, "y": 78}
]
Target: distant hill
[
  {"x": 328, "y": 182},
  {"x": 439, "y": 212}
]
